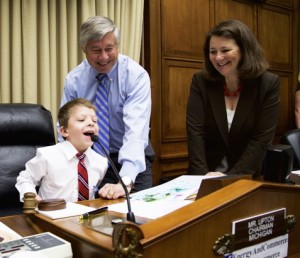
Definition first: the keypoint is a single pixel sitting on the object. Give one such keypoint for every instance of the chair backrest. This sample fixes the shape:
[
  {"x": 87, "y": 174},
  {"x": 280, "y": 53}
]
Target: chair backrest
[
  {"x": 23, "y": 128},
  {"x": 292, "y": 138}
]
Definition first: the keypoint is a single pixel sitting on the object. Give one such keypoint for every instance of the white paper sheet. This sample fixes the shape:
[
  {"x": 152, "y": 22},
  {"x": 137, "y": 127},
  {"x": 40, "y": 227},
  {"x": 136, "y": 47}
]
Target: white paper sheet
[
  {"x": 7, "y": 234},
  {"x": 296, "y": 172},
  {"x": 72, "y": 209},
  {"x": 162, "y": 199},
  {"x": 150, "y": 210}
]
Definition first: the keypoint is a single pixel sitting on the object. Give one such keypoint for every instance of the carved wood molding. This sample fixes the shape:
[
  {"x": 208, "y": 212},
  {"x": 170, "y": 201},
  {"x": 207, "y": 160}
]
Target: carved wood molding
[{"x": 126, "y": 240}]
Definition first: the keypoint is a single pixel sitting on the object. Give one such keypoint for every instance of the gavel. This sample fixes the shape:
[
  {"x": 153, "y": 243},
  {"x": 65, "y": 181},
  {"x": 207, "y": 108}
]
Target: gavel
[{"x": 30, "y": 204}]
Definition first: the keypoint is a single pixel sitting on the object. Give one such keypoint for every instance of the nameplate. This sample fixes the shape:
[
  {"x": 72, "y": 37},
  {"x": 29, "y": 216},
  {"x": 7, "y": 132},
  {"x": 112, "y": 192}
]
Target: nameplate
[
  {"x": 261, "y": 235},
  {"x": 259, "y": 228},
  {"x": 274, "y": 248}
]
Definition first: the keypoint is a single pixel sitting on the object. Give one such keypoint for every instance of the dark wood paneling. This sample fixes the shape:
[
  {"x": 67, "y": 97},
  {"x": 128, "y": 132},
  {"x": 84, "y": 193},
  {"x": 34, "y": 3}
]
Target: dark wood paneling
[
  {"x": 183, "y": 25},
  {"x": 176, "y": 31},
  {"x": 275, "y": 35},
  {"x": 286, "y": 97},
  {"x": 282, "y": 3},
  {"x": 240, "y": 10},
  {"x": 177, "y": 81}
]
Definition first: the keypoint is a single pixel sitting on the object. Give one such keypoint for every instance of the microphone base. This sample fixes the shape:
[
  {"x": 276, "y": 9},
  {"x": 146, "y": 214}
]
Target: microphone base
[
  {"x": 104, "y": 223},
  {"x": 131, "y": 217}
]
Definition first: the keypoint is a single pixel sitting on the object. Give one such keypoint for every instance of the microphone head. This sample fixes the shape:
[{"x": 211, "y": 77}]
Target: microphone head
[{"x": 94, "y": 137}]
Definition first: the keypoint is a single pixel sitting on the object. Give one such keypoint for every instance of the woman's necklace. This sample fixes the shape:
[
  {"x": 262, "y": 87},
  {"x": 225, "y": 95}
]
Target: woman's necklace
[{"x": 227, "y": 93}]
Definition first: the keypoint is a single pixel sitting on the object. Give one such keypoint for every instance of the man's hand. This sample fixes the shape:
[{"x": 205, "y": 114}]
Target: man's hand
[
  {"x": 217, "y": 173},
  {"x": 112, "y": 191}
]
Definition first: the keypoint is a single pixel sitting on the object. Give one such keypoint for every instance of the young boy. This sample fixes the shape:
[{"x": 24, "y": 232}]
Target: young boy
[{"x": 55, "y": 168}]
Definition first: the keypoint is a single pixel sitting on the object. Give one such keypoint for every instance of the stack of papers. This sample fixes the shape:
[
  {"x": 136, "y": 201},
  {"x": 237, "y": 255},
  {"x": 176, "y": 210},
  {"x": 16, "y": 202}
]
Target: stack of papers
[
  {"x": 72, "y": 209},
  {"x": 162, "y": 199},
  {"x": 150, "y": 203}
]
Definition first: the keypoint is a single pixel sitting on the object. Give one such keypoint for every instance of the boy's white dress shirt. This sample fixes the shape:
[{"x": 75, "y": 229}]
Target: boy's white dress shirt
[{"x": 54, "y": 170}]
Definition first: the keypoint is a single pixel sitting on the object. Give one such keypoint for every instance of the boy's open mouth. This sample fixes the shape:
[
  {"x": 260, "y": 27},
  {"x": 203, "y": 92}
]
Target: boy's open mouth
[{"x": 89, "y": 133}]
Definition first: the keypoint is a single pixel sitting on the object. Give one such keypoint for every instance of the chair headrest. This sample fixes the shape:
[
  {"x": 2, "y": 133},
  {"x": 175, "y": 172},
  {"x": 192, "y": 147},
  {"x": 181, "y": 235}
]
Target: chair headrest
[{"x": 25, "y": 124}]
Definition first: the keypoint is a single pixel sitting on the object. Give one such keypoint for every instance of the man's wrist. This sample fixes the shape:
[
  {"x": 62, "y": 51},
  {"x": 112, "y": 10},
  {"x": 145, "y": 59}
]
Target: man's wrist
[{"x": 127, "y": 182}]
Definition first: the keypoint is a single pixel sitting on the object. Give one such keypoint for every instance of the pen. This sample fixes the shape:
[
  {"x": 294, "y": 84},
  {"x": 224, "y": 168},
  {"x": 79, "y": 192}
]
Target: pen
[{"x": 88, "y": 214}]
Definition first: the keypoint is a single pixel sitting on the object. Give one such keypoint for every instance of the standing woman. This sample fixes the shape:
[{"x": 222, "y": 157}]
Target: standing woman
[{"x": 233, "y": 106}]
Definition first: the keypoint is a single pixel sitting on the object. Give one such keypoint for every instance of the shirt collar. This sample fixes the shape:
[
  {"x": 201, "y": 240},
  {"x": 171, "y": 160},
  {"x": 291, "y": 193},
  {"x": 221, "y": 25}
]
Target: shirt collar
[
  {"x": 111, "y": 74},
  {"x": 71, "y": 151}
]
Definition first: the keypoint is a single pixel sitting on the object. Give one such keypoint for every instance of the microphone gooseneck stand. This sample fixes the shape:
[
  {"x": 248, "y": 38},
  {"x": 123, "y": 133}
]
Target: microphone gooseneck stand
[{"x": 130, "y": 214}]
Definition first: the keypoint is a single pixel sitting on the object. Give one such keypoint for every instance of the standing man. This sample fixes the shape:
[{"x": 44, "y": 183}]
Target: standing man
[{"x": 127, "y": 88}]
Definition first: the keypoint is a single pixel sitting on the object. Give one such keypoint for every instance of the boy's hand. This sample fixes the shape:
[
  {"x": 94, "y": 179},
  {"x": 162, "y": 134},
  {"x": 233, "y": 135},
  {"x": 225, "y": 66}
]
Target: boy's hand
[{"x": 38, "y": 198}]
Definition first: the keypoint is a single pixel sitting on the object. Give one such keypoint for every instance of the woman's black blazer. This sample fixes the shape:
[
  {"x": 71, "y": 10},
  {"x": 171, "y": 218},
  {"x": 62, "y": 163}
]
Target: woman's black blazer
[{"x": 252, "y": 130}]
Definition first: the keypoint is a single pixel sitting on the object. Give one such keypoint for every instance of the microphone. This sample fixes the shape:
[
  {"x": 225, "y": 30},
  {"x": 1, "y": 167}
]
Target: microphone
[{"x": 130, "y": 215}]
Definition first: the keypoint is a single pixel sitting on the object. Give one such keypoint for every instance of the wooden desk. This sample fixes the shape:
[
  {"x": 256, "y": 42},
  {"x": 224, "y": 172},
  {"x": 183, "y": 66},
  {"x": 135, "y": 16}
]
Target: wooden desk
[
  {"x": 85, "y": 242},
  {"x": 187, "y": 232}
]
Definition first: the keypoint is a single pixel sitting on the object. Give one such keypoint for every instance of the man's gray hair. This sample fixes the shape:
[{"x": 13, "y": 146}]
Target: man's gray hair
[{"x": 95, "y": 28}]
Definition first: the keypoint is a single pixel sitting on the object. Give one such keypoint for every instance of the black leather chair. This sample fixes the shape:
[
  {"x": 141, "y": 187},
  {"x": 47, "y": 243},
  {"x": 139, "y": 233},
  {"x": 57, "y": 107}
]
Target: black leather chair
[
  {"x": 23, "y": 128},
  {"x": 292, "y": 138}
]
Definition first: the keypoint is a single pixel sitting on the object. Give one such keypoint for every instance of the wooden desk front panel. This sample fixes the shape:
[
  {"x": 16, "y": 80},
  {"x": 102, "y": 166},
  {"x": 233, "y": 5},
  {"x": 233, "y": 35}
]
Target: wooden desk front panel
[
  {"x": 196, "y": 237},
  {"x": 188, "y": 232}
]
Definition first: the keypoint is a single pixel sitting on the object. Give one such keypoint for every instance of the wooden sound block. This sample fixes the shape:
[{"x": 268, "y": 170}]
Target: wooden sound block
[
  {"x": 52, "y": 204},
  {"x": 210, "y": 185}
]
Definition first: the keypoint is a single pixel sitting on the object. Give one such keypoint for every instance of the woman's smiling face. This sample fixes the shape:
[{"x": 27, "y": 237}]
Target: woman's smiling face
[{"x": 225, "y": 55}]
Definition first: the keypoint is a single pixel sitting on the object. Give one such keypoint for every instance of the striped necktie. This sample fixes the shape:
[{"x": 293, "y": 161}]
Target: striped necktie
[
  {"x": 102, "y": 111},
  {"x": 83, "y": 181}
]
